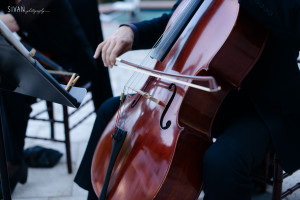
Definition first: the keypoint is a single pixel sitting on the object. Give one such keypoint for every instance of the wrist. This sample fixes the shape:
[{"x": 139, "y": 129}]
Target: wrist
[
  {"x": 128, "y": 29},
  {"x": 134, "y": 32}
]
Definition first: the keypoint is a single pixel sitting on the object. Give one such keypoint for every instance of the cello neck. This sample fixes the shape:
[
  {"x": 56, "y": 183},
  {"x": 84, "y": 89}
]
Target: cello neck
[{"x": 179, "y": 24}]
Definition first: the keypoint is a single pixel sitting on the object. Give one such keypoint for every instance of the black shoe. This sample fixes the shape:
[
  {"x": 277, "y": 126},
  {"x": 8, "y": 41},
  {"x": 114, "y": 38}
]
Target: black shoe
[{"x": 16, "y": 174}]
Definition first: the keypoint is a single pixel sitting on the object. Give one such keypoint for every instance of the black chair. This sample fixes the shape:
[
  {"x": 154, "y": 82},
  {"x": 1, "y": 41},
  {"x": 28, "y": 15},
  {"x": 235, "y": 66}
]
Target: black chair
[
  {"x": 67, "y": 114},
  {"x": 273, "y": 176}
]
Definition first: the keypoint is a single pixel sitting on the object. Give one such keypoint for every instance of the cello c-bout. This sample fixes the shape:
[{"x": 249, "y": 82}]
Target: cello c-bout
[{"x": 161, "y": 157}]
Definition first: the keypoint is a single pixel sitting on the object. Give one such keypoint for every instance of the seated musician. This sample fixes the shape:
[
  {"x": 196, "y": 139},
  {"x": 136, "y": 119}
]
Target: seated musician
[
  {"x": 263, "y": 115},
  {"x": 54, "y": 32}
]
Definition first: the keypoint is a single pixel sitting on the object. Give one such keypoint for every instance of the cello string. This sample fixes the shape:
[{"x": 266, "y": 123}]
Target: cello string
[
  {"x": 147, "y": 59},
  {"x": 178, "y": 20},
  {"x": 136, "y": 78},
  {"x": 176, "y": 17}
]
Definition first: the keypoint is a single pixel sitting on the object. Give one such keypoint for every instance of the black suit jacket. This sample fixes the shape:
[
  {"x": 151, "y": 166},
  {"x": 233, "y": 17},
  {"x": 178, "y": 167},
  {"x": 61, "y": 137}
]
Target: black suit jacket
[{"x": 273, "y": 86}]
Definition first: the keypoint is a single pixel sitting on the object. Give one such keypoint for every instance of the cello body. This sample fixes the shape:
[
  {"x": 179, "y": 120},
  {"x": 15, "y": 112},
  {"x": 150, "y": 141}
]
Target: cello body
[{"x": 162, "y": 154}]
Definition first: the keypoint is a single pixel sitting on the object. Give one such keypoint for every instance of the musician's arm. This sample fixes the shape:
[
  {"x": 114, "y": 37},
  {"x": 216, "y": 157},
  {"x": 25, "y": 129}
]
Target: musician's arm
[{"x": 281, "y": 17}]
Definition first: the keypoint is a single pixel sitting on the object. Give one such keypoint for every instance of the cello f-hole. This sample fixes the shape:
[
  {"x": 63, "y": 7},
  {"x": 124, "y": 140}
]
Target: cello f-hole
[
  {"x": 134, "y": 102},
  {"x": 168, "y": 124}
]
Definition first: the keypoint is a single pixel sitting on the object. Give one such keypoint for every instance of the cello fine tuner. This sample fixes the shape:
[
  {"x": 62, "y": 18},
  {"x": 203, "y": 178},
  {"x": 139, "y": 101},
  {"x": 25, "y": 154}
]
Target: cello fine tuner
[
  {"x": 122, "y": 96},
  {"x": 32, "y": 52},
  {"x": 146, "y": 95}
]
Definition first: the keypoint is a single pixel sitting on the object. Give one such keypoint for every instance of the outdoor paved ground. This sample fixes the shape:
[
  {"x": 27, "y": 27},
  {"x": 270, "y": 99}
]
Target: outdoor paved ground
[{"x": 55, "y": 183}]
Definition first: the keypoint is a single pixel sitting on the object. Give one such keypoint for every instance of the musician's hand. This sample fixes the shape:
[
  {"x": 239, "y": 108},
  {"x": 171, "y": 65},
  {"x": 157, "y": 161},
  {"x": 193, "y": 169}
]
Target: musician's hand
[
  {"x": 117, "y": 44},
  {"x": 10, "y": 22}
]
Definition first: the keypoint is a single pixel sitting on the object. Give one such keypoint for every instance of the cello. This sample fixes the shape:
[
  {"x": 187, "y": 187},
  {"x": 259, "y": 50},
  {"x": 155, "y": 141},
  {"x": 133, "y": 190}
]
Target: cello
[{"x": 164, "y": 130}]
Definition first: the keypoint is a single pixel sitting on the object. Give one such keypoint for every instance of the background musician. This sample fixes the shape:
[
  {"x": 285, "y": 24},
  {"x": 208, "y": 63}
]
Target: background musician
[{"x": 53, "y": 31}]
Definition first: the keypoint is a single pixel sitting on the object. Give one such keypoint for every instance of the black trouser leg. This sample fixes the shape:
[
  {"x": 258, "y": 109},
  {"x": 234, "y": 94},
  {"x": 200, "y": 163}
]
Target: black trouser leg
[
  {"x": 16, "y": 108},
  {"x": 229, "y": 161}
]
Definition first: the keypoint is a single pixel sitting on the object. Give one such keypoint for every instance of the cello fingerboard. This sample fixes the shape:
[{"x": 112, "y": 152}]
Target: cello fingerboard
[{"x": 170, "y": 37}]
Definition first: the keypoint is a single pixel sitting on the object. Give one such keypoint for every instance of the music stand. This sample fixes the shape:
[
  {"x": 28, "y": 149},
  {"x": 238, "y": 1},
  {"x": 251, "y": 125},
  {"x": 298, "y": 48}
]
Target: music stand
[{"x": 26, "y": 76}]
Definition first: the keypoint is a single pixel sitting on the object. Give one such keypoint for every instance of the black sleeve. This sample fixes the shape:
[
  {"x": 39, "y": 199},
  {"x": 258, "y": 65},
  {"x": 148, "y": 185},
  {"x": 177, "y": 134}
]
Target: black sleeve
[
  {"x": 149, "y": 31},
  {"x": 282, "y": 17},
  {"x": 33, "y": 8}
]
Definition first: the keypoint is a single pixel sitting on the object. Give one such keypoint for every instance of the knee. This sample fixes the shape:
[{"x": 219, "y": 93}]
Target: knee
[
  {"x": 212, "y": 164},
  {"x": 221, "y": 163},
  {"x": 224, "y": 176}
]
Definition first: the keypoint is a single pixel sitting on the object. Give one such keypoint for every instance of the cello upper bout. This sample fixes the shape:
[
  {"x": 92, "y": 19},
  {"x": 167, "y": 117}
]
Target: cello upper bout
[{"x": 241, "y": 50}]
